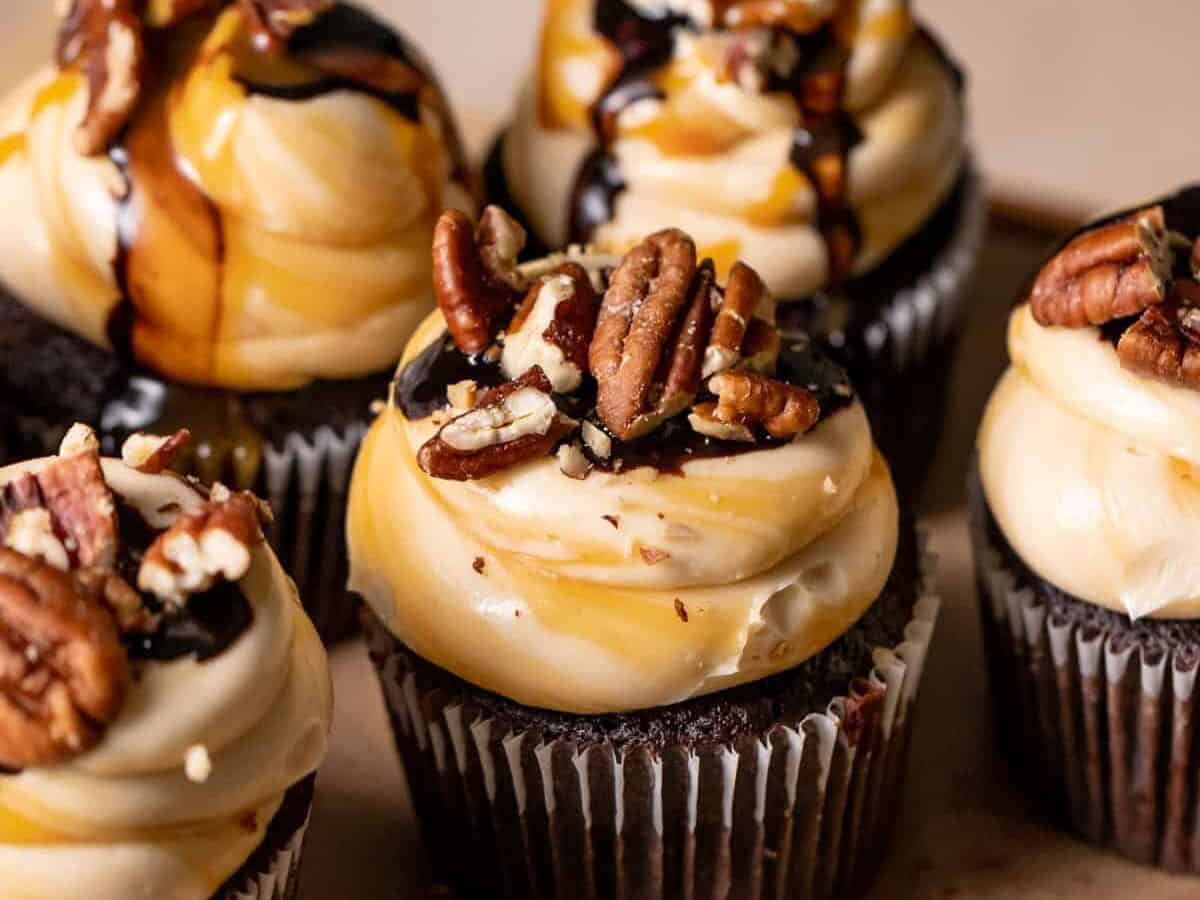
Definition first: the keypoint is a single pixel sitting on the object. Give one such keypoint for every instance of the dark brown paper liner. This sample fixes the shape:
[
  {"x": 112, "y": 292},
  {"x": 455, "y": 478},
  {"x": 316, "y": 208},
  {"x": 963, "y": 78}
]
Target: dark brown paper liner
[
  {"x": 305, "y": 478},
  {"x": 1098, "y": 721},
  {"x": 801, "y": 810},
  {"x": 273, "y": 870}
]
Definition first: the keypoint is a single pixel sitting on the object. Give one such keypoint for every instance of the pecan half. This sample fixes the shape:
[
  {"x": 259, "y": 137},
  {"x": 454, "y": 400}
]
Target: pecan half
[
  {"x": 474, "y": 274},
  {"x": 651, "y": 333},
  {"x": 510, "y": 424},
  {"x": 212, "y": 543},
  {"x": 748, "y": 401},
  {"x": 1164, "y": 344},
  {"x": 1107, "y": 273},
  {"x": 153, "y": 453},
  {"x": 745, "y": 295},
  {"x": 104, "y": 39},
  {"x": 63, "y": 671},
  {"x": 553, "y": 328},
  {"x": 81, "y": 507}
]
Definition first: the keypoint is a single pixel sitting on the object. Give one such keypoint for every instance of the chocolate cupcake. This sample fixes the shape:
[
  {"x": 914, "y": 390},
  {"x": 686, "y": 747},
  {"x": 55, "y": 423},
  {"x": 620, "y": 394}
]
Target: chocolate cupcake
[
  {"x": 222, "y": 214},
  {"x": 822, "y": 143},
  {"x": 645, "y": 613},
  {"x": 164, "y": 701},
  {"x": 1084, "y": 507}
]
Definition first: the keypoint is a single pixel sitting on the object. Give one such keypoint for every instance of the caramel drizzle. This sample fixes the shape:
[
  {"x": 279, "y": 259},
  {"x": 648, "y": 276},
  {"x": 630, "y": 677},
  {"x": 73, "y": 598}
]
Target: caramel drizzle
[
  {"x": 227, "y": 446},
  {"x": 821, "y": 145}
]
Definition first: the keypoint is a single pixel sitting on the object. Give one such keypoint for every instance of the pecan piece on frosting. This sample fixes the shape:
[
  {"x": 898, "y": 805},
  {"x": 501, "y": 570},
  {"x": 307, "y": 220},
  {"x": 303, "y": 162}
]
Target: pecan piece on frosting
[
  {"x": 748, "y": 400},
  {"x": 739, "y": 332},
  {"x": 1164, "y": 344},
  {"x": 651, "y": 334},
  {"x": 153, "y": 453},
  {"x": 104, "y": 39},
  {"x": 475, "y": 275},
  {"x": 1107, "y": 273},
  {"x": 81, "y": 507},
  {"x": 63, "y": 671},
  {"x": 511, "y": 424},
  {"x": 553, "y": 328},
  {"x": 213, "y": 542}
]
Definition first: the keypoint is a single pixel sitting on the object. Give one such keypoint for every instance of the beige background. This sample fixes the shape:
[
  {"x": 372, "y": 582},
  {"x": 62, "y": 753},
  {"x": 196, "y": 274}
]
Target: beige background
[{"x": 1080, "y": 104}]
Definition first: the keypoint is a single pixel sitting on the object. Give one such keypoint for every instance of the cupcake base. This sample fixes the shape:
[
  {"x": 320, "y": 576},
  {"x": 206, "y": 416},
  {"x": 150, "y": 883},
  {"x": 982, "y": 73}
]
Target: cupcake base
[
  {"x": 1097, "y": 714},
  {"x": 896, "y": 328},
  {"x": 273, "y": 871},
  {"x": 295, "y": 449},
  {"x": 782, "y": 788}
]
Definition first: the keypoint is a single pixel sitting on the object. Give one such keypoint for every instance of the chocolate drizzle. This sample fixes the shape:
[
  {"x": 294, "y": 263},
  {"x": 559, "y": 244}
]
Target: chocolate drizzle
[{"x": 420, "y": 391}]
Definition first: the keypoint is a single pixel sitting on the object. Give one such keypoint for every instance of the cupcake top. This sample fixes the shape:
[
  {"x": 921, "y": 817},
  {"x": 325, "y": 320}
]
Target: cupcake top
[
  {"x": 1090, "y": 448},
  {"x": 809, "y": 138},
  {"x": 160, "y": 686},
  {"x": 234, "y": 194},
  {"x": 620, "y": 491}
]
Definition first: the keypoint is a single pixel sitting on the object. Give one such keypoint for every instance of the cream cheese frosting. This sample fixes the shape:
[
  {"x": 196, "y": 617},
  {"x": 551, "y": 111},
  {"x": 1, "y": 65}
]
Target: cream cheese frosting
[
  {"x": 234, "y": 237},
  {"x": 712, "y": 157},
  {"x": 537, "y": 586},
  {"x": 124, "y": 819},
  {"x": 1093, "y": 472}
]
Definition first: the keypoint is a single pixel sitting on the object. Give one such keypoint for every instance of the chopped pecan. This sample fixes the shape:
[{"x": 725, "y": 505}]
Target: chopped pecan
[
  {"x": 211, "y": 543},
  {"x": 1107, "y": 273},
  {"x": 104, "y": 39},
  {"x": 651, "y": 333},
  {"x": 510, "y": 424},
  {"x": 1163, "y": 344},
  {"x": 745, "y": 295},
  {"x": 595, "y": 439},
  {"x": 553, "y": 328},
  {"x": 63, "y": 671},
  {"x": 152, "y": 453},
  {"x": 751, "y": 400},
  {"x": 115, "y": 593},
  {"x": 78, "y": 439},
  {"x": 572, "y": 462},
  {"x": 31, "y": 532},
  {"x": 81, "y": 507},
  {"x": 474, "y": 275}
]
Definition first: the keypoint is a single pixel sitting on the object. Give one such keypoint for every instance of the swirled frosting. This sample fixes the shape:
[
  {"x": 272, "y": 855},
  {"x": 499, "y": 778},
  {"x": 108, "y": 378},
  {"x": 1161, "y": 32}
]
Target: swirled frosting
[
  {"x": 256, "y": 226},
  {"x": 1093, "y": 472},
  {"x": 124, "y": 820},
  {"x": 692, "y": 146},
  {"x": 536, "y": 586}
]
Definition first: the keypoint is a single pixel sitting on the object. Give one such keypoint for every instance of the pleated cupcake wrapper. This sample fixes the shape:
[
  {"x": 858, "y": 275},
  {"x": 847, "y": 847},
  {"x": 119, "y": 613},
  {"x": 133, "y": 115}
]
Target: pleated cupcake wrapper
[
  {"x": 306, "y": 479},
  {"x": 1106, "y": 732},
  {"x": 279, "y": 880},
  {"x": 802, "y": 810}
]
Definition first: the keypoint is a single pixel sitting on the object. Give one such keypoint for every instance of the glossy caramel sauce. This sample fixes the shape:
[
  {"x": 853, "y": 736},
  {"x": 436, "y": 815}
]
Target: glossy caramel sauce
[{"x": 164, "y": 218}]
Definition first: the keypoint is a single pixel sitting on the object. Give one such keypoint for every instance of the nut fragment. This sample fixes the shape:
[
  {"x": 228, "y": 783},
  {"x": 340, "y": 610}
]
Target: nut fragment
[
  {"x": 473, "y": 272},
  {"x": 1107, "y": 273},
  {"x": 572, "y": 462},
  {"x": 81, "y": 507},
  {"x": 553, "y": 328},
  {"x": 511, "y": 424},
  {"x": 703, "y": 419},
  {"x": 651, "y": 333},
  {"x": 599, "y": 443},
  {"x": 752, "y": 400},
  {"x": 1162, "y": 345},
  {"x": 103, "y": 38},
  {"x": 462, "y": 394},
  {"x": 152, "y": 453},
  {"x": 203, "y": 546},
  {"x": 78, "y": 439},
  {"x": 63, "y": 671},
  {"x": 31, "y": 532},
  {"x": 745, "y": 295}
]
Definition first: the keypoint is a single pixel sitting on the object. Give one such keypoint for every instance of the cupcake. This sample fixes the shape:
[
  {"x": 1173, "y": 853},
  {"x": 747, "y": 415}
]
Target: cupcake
[
  {"x": 164, "y": 701},
  {"x": 644, "y": 610},
  {"x": 222, "y": 214},
  {"x": 1083, "y": 510},
  {"x": 821, "y": 141}
]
